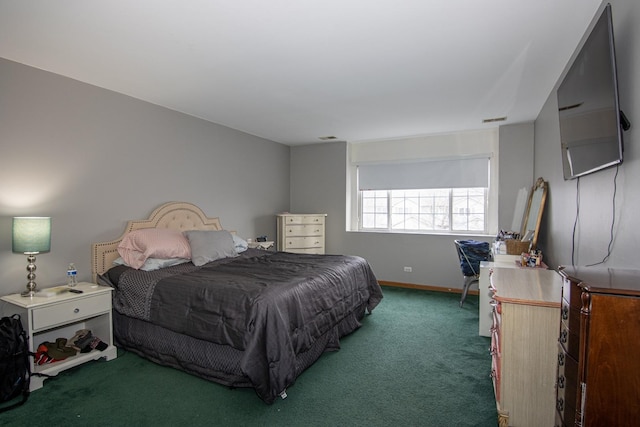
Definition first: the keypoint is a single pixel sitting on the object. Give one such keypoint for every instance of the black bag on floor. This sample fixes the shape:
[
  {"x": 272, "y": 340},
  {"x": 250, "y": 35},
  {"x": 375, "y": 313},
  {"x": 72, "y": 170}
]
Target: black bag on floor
[{"x": 15, "y": 374}]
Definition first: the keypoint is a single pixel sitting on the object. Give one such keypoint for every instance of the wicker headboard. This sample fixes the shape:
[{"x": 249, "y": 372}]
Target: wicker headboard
[{"x": 180, "y": 216}]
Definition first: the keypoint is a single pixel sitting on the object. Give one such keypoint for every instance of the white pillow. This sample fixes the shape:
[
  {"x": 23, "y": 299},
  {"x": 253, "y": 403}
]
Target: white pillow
[
  {"x": 241, "y": 245},
  {"x": 154, "y": 263},
  {"x": 210, "y": 245}
]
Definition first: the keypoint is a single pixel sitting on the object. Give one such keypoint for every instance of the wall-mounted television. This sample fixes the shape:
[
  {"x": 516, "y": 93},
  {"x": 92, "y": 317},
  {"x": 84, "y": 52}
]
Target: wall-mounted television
[{"x": 591, "y": 121}]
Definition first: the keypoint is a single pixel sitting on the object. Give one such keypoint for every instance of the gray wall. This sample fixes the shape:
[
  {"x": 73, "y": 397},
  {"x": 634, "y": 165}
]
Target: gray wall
[
  {"x": 318, "y": 174},
  {"x": 93, "y": 159},
  {"x": 318, "y": 184},
  {"x": 515, "y": 166},
  {"x": 596, "y": 191},
  {"x": 433, "y": 258}
]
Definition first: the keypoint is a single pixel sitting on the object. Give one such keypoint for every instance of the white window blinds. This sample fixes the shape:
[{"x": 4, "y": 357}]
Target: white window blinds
[{"x": 453, "y": 173}]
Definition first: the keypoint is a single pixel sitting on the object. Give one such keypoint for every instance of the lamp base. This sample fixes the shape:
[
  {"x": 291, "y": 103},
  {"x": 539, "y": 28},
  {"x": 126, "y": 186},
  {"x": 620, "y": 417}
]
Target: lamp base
[{"x": 31, "y": 268}]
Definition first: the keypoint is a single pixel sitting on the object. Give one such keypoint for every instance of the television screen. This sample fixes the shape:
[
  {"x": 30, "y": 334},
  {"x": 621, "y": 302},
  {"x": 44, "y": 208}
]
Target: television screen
[{"x": 590, "y": 116}]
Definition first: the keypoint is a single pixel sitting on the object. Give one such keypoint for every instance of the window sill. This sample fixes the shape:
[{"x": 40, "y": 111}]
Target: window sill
[{"x": 427, "y": 233}]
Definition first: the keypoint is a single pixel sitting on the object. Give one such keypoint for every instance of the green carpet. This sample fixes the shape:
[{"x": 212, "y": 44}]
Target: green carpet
[{"x": 416, "y": 361}]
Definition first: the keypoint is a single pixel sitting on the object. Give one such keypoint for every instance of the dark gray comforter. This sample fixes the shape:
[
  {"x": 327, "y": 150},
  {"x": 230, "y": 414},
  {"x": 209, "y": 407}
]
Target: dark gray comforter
[{"x": 270, "y": 305}]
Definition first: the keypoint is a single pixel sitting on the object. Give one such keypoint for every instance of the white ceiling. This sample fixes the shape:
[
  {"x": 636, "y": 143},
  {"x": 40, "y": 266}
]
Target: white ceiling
[{"x": 295, "y": 70}]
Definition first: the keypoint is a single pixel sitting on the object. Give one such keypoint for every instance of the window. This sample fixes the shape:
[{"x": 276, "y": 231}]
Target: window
[
  {"x": 442, "y": 184},
  {"x": 429, "y": 210},
  {"x": 425, "y": 196}
]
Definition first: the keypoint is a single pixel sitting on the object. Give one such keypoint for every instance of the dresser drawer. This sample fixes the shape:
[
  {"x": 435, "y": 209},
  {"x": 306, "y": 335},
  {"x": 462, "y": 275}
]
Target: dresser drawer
[
  {"x": 495, "y": 376},
  {"x": 303, "y": 242},
  {"x": 566, "y": 386},
  {"x": 66, "y": 312},
  {"x": 496, "y": 313},
  {"x": 305, "y": 219},
  {"x": 314, "y": 251},
  {"x": 572, "y": 292},
  {"x": 495, "y": 341},
  {"x": 569, "y": 339},
  {"x": 304, "y": 230},
  {"x": 494, "y": 350}
]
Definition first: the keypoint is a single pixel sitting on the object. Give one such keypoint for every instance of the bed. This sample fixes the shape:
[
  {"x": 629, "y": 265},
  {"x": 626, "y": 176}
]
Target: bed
[{"x": 252, "y": 318}]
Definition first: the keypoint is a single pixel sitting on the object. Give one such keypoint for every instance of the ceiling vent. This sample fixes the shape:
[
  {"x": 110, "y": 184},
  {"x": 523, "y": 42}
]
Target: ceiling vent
[{"x": 495, "y": 119}]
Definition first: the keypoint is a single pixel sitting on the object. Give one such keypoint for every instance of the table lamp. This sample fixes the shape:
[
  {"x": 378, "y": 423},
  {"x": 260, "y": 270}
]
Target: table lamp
[{"x": 31, "y": 235}]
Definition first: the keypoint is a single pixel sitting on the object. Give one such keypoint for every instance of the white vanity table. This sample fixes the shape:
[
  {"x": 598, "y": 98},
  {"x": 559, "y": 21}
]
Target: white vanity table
[
  {"x": 530, "y": 224},
  {"x": 484, "y": 307}
]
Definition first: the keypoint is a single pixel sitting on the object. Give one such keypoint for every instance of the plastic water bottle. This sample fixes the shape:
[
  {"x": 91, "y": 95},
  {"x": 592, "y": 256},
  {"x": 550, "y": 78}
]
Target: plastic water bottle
[{"x": 72, "y": 274}]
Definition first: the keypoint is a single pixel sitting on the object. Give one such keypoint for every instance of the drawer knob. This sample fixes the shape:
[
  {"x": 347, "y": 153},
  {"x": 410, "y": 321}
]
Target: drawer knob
[
  {"x": 560, "y": 404},
  {"x": 76, "y": 311},
  {"x": 561, "y": 359},
  {"x": 563, "y": 336},
  {"x": 561, "y": 381},
  {"x": 565, "y": 312}
]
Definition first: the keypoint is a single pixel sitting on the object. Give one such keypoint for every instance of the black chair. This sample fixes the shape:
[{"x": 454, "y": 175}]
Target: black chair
[{"x": 470, "y": 254}]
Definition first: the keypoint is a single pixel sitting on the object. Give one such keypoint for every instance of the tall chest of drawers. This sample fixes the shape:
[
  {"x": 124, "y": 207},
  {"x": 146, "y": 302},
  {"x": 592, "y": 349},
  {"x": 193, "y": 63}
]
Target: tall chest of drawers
[
  {"x": 524, "y": 337},
  {"x": 301, "y": 233},
  {"x": 598, "y": 367}
]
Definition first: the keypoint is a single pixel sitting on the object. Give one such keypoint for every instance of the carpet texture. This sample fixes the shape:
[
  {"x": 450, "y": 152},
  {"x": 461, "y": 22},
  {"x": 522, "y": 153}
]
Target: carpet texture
[{"x": 416, "y": 361}]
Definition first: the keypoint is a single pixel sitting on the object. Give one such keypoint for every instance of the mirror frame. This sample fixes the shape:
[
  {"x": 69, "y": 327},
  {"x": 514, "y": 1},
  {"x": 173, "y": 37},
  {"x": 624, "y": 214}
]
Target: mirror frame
[{"x": 540, "y": 187}]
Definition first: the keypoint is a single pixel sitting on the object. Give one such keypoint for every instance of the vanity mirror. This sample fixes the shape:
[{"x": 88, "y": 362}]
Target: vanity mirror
[{"x": 533, "y": 212}]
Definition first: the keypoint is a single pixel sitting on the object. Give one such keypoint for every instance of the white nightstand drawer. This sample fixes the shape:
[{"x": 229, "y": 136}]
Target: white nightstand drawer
[{"x": 64, "y": 312}]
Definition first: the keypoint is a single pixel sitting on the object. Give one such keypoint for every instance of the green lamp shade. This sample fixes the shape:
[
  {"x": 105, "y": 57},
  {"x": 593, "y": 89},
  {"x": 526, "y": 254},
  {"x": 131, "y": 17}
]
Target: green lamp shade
[{"x": 31, "y": 234}]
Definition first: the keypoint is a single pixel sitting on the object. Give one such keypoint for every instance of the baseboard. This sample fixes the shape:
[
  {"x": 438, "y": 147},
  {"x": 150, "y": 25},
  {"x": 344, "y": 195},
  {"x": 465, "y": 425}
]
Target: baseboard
[{"x": 425, "y": 287}]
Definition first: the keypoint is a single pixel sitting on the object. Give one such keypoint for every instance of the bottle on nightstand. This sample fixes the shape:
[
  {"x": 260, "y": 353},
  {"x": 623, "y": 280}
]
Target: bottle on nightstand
[{"x": 72, "y": 275}]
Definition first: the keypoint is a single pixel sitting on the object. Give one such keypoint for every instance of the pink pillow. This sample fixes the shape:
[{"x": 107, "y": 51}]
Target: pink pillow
[{"x": 139, "y": 245}]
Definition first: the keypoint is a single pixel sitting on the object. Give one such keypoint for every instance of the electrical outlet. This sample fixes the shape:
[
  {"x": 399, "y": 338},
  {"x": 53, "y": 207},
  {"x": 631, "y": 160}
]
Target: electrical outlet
[{"x": 408, "y": 269}]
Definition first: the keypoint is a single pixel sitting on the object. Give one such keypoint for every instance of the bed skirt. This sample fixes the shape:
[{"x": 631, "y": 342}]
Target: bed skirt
[{"x": 213, "y": 362}]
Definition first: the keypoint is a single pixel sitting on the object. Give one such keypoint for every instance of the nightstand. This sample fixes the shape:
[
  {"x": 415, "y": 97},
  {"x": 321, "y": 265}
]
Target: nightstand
[{"x": 46, "y": 318}]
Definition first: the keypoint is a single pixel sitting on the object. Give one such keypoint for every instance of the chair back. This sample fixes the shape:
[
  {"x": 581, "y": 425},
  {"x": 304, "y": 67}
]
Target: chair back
[{"x": 470, "y": 254}]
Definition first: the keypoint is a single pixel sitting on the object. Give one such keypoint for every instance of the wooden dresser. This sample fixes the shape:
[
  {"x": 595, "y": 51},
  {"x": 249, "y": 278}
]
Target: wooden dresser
[
  {"x": 301, "y": 233},
  {"x": 524, "y": 338},
  {"x": 485, "y": 304},
  {"x": 599, "y": 348}
]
